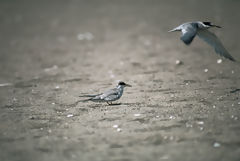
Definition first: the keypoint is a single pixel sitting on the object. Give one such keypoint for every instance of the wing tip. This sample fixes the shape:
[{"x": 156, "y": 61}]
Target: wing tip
[{"x": 231, "y": 58}]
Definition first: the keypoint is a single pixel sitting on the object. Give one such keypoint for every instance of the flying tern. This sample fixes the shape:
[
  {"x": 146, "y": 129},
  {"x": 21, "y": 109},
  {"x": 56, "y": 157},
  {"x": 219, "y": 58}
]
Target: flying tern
[{"x": 191, "y": 29}]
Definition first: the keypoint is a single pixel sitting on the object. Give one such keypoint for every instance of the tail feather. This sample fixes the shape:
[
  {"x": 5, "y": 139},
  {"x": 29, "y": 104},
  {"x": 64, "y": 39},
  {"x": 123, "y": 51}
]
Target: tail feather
[
  {"x": 86, "y": 100},
  {"x": 89, "y": 95},
  {"x": 175, "y": 29}
]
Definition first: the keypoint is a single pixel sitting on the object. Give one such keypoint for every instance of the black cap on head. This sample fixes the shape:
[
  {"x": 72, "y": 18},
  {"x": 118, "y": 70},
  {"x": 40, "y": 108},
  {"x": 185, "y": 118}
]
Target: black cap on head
[
  {"x": 121, "y": 83},
  {"x": 210, "y": 24},
  {"x": 207, "y": 23}
]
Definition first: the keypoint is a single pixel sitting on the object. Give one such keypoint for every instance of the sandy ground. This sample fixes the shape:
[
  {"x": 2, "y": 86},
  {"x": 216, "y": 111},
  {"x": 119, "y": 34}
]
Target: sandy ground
[{"x": 53, "y": 51}]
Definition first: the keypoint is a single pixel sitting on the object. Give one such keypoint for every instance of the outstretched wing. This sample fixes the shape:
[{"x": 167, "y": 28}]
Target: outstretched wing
[
  {"x": 213, "y": 40},
  {"x": 188, "y": 33}
]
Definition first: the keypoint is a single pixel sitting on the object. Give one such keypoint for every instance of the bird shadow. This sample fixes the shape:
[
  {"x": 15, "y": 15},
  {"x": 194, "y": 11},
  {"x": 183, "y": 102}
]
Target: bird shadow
[{"x": 114, "y": 104}]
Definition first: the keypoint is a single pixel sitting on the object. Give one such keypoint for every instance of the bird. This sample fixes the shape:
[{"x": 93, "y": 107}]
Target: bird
[
  {"x": 191, "y": 29},
  {"x": 108, "y": 96}
]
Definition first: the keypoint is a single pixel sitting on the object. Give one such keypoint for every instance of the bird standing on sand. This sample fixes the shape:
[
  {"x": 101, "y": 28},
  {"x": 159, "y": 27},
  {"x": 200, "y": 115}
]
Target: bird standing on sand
[
  {"x": 108, "y": 96},
  {"x": 191, "y": 29}
]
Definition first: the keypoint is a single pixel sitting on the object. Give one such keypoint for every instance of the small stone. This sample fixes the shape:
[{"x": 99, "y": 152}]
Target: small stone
[
  {"x": 219, "y": 61},
  {"x": 85, "y": 36},
  {"x": 31, "y": 117},
  {"x": 205, "y": 70},
  {"x": 137, "y": 114},
  {"x": 115, "y": 126},
  {"x": 70, "y": 115},
  {"x": 179, "y": 62},
  {"x": 189, "y": 125},
  {"x": 200, "y": 122},
  {"x": 172, "y": 117},
  {"x": 216, "y": 145},
  {"x": 54, "y": 67},
  {"x": 119, "y": 129}
]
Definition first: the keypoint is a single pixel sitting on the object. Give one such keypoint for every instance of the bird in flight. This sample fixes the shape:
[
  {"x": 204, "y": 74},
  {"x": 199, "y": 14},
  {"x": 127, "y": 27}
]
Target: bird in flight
[
  {"x": 108, "y": 96},
  {"x": 191, "y": 29}
]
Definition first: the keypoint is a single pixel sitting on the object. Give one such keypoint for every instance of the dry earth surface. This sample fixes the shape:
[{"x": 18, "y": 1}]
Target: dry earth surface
[{"x": 53, "y": 51}]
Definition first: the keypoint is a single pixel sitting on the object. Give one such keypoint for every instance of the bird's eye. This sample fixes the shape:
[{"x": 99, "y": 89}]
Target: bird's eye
[{"x": 121, "y": 83}]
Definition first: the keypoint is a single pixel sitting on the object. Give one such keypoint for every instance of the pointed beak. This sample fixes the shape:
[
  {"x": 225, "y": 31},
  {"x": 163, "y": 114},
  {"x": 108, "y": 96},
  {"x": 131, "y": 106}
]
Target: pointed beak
[
  {"x": 216, "y": 26},
  {"x": 128, "y": 85}
]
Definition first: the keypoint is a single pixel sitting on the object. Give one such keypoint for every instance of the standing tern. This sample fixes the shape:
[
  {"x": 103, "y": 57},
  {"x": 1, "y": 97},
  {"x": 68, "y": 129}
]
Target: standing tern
[
  {"x": 191, "y": 29},
  {"x": 108, "y": 96}
]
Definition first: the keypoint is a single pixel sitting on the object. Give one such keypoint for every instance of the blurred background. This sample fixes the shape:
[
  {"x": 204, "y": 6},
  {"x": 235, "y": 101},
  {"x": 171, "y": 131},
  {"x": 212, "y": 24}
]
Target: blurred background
[{"x": 52, "y": 51}]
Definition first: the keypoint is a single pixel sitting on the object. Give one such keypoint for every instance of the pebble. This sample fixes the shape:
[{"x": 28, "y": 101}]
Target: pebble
[
  {"x": 137, "y": 114},
  {"x": 216, "y": 145},
  {"x": 219, "y": 61},
  {"x": 70, "y": 115},
  {"x": 179, "y": 62},
  {"x": 172, "y": 117},
  {"x": 85, "y": 36},
  {"x": 200, "y": 122},
  {"x": 119, "y": 129}
]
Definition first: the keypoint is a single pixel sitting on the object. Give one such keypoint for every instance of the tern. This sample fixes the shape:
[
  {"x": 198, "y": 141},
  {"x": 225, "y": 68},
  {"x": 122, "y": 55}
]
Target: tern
[
  {"x": 108, "y": 96},
  {"x": 191, "y": 29}
]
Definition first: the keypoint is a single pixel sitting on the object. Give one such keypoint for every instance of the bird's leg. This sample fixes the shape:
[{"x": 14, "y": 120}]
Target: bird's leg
[{"x": 108, "y": 103}]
